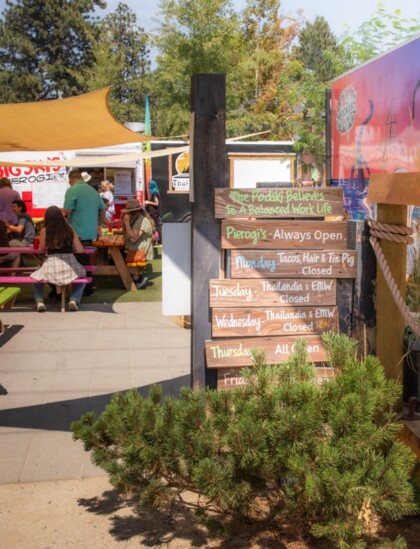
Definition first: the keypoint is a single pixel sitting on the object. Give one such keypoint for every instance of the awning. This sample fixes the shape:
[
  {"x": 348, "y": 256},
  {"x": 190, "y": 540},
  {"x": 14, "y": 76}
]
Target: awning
[
  {"x": 80, "y": 122},
  {"x": 111, "y": 159}
]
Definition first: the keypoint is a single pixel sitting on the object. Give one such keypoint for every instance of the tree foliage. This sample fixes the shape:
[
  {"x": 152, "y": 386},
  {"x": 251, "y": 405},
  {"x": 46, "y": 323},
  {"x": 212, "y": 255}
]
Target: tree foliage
[
  {"x": 383, "y": 31},
  {"x": 328, "y": 456},
  {"x": 321, "y": 58},
  {"x": 194, "y": 36},
  {"x": 260, "y": 84},
  {"x": 121, "y": 60},
  {"x": 43, "y": 46}
]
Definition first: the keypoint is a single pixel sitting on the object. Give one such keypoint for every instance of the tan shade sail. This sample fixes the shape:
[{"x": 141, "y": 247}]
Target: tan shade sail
[{"x": 81, "y": 122}]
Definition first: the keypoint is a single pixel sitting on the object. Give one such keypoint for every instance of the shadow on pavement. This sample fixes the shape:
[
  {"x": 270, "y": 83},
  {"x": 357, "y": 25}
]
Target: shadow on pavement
[{"x": 57, "y": 416}]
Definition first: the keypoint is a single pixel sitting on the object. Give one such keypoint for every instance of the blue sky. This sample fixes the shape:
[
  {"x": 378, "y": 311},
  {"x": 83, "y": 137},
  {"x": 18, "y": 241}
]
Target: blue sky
[{"x": 338, "y": 13}]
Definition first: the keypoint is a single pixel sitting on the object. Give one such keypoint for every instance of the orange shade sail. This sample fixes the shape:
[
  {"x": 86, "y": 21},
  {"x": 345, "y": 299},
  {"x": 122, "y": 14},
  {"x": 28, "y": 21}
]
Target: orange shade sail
[{"x": 80, "y": 122}]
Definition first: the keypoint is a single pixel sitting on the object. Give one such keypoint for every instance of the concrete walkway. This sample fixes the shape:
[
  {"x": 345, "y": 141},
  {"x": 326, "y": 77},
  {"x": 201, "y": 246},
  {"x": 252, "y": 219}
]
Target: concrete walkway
[{"x": 55, "y": 366}]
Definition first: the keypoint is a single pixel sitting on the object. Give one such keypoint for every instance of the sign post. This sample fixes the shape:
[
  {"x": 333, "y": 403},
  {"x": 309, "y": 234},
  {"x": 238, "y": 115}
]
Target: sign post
[
  {"x": 208, "y": 163},
  {"x": 283, "y": 275}
]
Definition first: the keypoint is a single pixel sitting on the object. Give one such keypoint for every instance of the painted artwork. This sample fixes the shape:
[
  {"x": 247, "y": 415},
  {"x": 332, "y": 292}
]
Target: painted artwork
[{"x": 375, "y": 123}]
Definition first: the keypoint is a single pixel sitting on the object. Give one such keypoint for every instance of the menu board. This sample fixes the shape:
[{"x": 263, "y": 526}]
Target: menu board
[{"x": 282, "y": 276}]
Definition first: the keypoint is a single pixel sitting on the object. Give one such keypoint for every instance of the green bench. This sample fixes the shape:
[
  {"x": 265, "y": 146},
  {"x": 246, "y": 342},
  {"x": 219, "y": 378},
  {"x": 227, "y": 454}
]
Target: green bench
[{"x": 8, "y": 296}]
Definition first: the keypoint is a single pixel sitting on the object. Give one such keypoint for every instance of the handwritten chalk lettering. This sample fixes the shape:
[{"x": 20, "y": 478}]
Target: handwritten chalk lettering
[
  {"x": 268, "y": 292},
  {"x": 278, "y": 202},
  {"x": 228, "y": 353},
  {"x": 272, "y": 321},
  {"x": 260, "y": 263},
  {"x": 229, "y": 379},
  {"x": 288, "y": 264},
  {"x": 284, "y": 234}
]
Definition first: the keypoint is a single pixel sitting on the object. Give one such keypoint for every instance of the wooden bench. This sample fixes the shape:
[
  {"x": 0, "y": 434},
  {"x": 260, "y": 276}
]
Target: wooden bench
[{"x": 29, "y": 280}]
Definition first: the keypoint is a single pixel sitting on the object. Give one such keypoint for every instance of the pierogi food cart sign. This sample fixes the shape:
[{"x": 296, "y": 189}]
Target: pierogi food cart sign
[{"x": 283, "y": 273}]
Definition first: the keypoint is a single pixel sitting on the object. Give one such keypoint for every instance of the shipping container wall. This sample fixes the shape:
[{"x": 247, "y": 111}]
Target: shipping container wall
[{"x": 375, "y": 117}]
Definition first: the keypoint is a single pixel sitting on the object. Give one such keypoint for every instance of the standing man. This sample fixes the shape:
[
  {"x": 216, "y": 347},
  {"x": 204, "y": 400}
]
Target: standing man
[
  {"x": 7, "y": 196},
  {"x": 85, "y": 210}
]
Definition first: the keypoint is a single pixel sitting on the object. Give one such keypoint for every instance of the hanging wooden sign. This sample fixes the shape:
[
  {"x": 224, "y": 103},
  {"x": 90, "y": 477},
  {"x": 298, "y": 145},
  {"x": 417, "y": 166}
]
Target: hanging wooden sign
[
  {"x": 236, "y": 353},
  {"x": 278, "y": 202},
  {"x": 261, "y": 293},
  {"x": 273, "y": 321},
  {"x": 302, "y": 264},
  {"x": 284, "y": 234},
  {"x": 230, "y": 379}
]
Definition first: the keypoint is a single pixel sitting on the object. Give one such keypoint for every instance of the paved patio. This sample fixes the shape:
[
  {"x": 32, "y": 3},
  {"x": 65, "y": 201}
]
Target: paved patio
[{"x": 56, "y": 366}]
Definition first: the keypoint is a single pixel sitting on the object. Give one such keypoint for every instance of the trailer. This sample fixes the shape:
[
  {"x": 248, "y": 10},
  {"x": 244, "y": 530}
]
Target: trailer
[
  {"x": 251, "y": 164},
  {"x": 44, "y": 186},
  {"x": 374, "y": 123}
]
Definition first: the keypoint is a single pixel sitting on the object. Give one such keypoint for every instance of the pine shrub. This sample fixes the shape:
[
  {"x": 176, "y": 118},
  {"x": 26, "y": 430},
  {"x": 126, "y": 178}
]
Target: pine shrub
[{"x": 326, "y": 456}]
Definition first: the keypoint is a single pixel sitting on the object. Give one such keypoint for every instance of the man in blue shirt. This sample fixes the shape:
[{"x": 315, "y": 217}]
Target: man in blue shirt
[{"x": 85, "y": 211}]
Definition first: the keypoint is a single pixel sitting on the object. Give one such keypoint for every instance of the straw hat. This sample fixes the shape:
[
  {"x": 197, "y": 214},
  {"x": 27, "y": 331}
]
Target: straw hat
[
  {"x": 86, "y": 177},
  {"x": 132, "y": 205}
]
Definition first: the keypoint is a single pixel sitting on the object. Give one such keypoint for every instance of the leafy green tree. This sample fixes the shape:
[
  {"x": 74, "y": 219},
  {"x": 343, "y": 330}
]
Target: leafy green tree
[
  {"x": 194, "y": 36},
  {"x": 321, "y": 58},
  {"x": 260, "y": 90},
  {"x": 43, "y": 46},
  {"x": 319, "y": 50},
  {"x": 383, "y": 31},
  {"x": 121, "y": 60}
]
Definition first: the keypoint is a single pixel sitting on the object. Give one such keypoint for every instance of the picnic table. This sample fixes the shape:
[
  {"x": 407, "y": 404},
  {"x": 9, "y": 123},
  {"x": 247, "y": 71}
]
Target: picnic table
[
  {"x": 6, "y": 276},
  {"x": 113, "y": 244}
]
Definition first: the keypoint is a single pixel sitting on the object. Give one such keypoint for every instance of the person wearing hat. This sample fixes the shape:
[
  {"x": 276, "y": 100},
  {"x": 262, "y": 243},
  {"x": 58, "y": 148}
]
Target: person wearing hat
[
  {"x": 138, "y": 233},
  {"x": 86, "y": 177}
]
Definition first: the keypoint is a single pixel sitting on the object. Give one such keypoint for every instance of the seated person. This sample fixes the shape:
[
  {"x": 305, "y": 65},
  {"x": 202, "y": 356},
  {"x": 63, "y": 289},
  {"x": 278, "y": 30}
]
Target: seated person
[
  {"x": 138, "y": 233},
  {"x": 24, "y": 232},
  {"x": 60, "y": 266},
  {"x": 7, "y": 260}
]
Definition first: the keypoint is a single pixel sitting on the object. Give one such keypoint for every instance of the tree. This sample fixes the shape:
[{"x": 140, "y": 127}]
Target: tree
[
  {"x": 194, "y": 36},
  {"x": 260, "y": 90},
  {"x": 382, "y": 32},
  {"x": 43, "y": 46},
  {"x": 121, "y": 60},
  {"x": 327, "y": 457},
  {"x": 319, "y": 51},
  {"x": 321, "y": 58}
]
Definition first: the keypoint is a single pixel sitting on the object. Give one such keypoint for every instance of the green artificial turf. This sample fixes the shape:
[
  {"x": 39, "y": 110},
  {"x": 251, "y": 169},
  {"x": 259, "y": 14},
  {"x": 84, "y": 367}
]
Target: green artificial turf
[{"x": 110, "y": 289}]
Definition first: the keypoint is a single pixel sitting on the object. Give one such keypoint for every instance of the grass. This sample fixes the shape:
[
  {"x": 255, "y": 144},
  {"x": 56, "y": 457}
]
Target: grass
[{"x": 110, "y": 289}]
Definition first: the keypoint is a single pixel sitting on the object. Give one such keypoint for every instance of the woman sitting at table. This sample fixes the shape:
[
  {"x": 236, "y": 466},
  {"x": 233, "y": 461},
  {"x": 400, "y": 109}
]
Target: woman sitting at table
[
  {"x": 138, "y": 232},
  {"x": 7, "y": 260},
  {"x": 60, "y": 267}
]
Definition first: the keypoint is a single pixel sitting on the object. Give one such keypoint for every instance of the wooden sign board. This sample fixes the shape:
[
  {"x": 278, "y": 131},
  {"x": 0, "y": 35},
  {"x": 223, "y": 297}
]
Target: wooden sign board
[
  {"x": 288, "y": 264},
  {"x": 273, "y": 321},
  {"x": 284, "y": 234},
  {"x": 229, "y": 379},
  {"x": 394, "y": 188},
  {"x": 271, "y": 293},
  {"x": 236, "y": 353},
  {"x": 278, "y": 202}
]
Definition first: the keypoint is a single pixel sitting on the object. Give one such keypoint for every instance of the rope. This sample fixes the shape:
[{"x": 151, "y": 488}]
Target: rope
[{"x": 391, "y": 233}]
